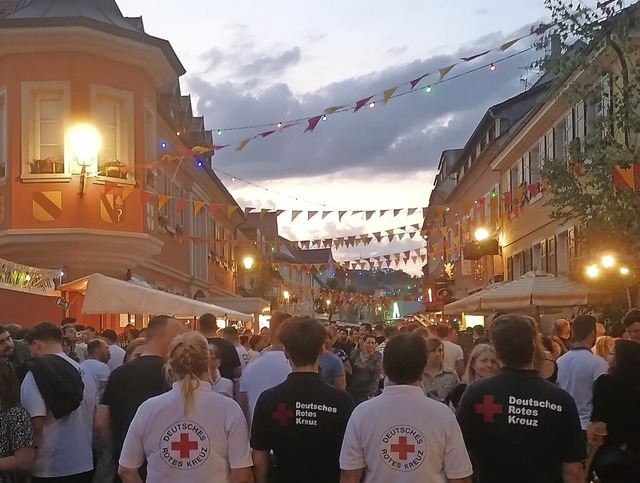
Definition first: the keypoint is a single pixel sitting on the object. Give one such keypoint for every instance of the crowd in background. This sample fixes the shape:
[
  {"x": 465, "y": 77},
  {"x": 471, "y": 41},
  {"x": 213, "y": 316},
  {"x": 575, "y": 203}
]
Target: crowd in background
[{"x": 278, "y": 405}]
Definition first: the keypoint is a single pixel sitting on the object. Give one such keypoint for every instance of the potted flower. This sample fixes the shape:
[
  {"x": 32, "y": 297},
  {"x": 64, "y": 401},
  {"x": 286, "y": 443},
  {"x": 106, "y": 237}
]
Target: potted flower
[{"x": 114, "y": 169}]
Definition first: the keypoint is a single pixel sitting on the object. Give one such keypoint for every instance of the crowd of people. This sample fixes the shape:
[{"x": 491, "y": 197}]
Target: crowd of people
[{"x": 304, "y": 402}]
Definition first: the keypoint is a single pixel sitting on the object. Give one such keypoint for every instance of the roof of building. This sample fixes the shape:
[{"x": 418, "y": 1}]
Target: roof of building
[
  {"x": 316, "y": 255},
  {"x": 106, "y": 11},
  {"x": 267, "y": 223}
]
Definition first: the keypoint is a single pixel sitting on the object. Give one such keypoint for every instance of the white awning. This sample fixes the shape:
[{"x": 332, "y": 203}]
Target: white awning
[
  {"x": 106, "y": 295},
  {"x": 249, "y": 305}
]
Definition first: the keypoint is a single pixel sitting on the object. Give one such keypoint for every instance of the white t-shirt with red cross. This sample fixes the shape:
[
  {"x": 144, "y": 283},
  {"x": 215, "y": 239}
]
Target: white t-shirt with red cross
[
  {"x": 404, "y": 437},
  {"x": 207, "y": 443}
]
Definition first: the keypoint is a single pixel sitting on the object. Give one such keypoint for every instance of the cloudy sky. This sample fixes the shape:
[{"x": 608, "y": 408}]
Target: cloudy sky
[{"x": 253, "y": 63}]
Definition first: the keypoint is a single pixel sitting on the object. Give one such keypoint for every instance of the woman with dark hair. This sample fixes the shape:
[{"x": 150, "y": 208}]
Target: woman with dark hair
[
  {"x": 438, "y": 380},
  {"x": 366, "y": 364},
  {"x": 616, "y": 399},
  {"x": 17, "y": 443}
]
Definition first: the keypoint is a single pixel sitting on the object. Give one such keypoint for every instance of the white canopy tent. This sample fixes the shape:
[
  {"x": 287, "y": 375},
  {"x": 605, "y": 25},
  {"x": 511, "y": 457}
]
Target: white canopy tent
[{"x": 106, "y": 295}]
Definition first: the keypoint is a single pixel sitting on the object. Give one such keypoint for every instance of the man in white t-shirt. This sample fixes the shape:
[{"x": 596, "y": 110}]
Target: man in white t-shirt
[
  {"x": 117, "y": 353},
  {"x": 61, "y": 398},
  {"x": 230, "y": 334},
  {"x": 402, "y": 436},
  {"x": 265, "y": 372},
  {"x": 453, "y": 355},
  {"x": 578, "y": 368},
  {"x": 98, "y": 355}
]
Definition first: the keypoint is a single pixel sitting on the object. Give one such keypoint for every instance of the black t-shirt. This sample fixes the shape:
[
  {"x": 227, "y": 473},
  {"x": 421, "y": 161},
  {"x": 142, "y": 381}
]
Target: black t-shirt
[
  {"x": 303, "y": 421},
  {"x": 616, "y": 403},
  {"x": 347, "y": 347},
  {"x": 229, "y": 359},
  {"x": 128, "y": 387},
  {"x": 520, "y": 428}
]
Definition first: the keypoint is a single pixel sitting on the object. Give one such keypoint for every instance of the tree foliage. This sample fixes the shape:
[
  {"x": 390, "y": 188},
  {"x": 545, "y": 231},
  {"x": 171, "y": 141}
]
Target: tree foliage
[{"x": 597, "y": 66}]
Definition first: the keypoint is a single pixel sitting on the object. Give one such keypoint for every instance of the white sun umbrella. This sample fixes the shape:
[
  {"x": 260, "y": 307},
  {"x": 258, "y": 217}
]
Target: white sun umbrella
[
  {"x": 538, "y": 289},
  {"x": 470, "y": 303}
]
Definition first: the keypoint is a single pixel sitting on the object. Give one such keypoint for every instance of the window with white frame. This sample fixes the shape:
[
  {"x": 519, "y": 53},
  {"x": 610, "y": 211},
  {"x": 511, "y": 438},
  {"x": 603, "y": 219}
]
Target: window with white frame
[
  {"x": 564, "y": 136},
  {"x": 45, "y": 114},
  {"x": 549, "y": 142},
  {"x": 199, "y": 247},
  {"x": 3, "y": 134},
  {"x": 579, "y": 116},
  {"x": 150, "y": 146},
  {"x": 534, "y": 164},
  {"x": 113, "y": 116}
]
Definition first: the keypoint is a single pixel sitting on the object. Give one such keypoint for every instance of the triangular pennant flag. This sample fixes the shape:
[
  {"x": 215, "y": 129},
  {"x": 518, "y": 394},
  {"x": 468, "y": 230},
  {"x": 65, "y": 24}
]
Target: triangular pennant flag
[
  {"x": 361, "y": 103},
  {"x": 443, "y": 231},
  {"x": 473, "y": 57},
  {"x": 197, "y": 206},
  {"x": 145, "y": 196},
  {"x": 414, "y": 258},
  {"x": 217, "y": 147},
  {"x": 126, "y": 191},
  {"x": 368, "y": 215},
  {"x": 401, "y": 236},
  {"x": 390, "y": 232},
  {"x": 265, "y": 134},
  {"x": 109, "y": 186},
  {"x": 386, "y": 95},
  {"x": 295, "y": 214},
  {"x": 279, "y": 212},
  {"x": 331, "y": 110},
  {"x": 377, "y": 236},
  {"x": 413, "y": 234},
  {"x": 415, "y": 82},
  {"x": 382, "y": 212},
  {"x": 506, "y": 45},
  {"x": 213, "y": 208},
  {"x": 248, "y": 210},
  {"x": 341, "y": 214},
  {"x": 263, "y": 213},
  {"x": 327, "y": 242},
  {"x": 411, "y": 211},
  {"x": 162, "y": 200},
  {"x": 313, "y": 122},
  {"x": 231, "y": 209},
  {"x": 396, "y": 213},
  {"x": 311, "y": 214},
  {"x": 180, "y": 205},
  {"x": 325, "y": 214},
  {"x": 445, "y": 70},
  {"x": 242, "y": 144}
]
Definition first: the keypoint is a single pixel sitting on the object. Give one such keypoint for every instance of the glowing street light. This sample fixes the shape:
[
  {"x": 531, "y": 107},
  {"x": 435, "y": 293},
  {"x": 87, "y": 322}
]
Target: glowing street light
[
  {"x": 624, "y": 271},
  {"x": 286, "y": 295},
  {"x": 248, "y": 263},
  {"x": 481, "y": 234},
  {"x": 593, "y": 271},
  {"x": 328, "y": 302},
  {"x": 608, "y": 261}
]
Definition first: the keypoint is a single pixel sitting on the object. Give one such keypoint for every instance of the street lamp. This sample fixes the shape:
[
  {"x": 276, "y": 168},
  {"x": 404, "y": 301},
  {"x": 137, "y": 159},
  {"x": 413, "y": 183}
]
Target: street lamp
[
  {"x": 248, "y": 263},
  {"x": 286, "y": 295},
  {"x": 84, "y": 142},
  {"x": 481, "y": 234},
  {"x": 608, "y": 261},
  {"x": 328, "y": 302},
  {"x": 593, "y": 271},
  {"x": 624, "y": 271}
]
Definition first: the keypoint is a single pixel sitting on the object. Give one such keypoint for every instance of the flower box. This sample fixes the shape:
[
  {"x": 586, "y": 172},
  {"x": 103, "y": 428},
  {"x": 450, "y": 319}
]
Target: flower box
[{"x": 46, "y": 166}]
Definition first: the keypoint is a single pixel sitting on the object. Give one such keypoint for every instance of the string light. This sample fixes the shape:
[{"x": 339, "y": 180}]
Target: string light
[
  {"x": 163, "y": 145},
  {"x": 324, "y": 118},
  {"x": 428, "y": 89},
  {"x": 279, "y": 125},
  {"x": 219, "y": 132},
  {"x": 372, "y": 104},
  {"x": 178, "y": 133},
  {"x": 492, "y": 67}
]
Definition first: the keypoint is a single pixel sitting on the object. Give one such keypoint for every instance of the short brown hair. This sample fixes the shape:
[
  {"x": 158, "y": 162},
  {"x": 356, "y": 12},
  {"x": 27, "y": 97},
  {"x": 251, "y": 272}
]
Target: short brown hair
[
  {"x": 303, "y": 338},
  {"x": 513, "y": 337}
]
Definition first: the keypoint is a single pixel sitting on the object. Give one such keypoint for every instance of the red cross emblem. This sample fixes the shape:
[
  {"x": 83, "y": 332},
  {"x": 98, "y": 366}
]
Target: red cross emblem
[
  {"x": 185, "y": 446},
  {"x": 282, "y": 414},
  {"x": 402, "y": 448},
  {"x": 488, "y": 408}
]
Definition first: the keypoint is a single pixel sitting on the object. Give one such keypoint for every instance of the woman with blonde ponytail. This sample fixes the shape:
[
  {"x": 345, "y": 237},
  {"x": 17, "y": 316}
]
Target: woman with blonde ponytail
[{"x": 190, "y": 433}]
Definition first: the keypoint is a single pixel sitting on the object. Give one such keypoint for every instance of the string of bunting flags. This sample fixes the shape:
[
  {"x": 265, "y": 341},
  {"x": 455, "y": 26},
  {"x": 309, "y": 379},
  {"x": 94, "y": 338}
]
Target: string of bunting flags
[{"x": 387, "y": 94}]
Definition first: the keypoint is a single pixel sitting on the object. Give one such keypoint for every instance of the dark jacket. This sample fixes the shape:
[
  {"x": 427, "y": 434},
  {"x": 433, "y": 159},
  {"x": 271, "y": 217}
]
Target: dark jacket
[{"x": 59, "y": 383}]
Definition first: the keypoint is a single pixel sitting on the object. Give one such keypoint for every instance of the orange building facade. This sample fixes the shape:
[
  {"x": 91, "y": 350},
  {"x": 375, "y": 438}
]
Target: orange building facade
[{"x": 122, "y": 218}]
